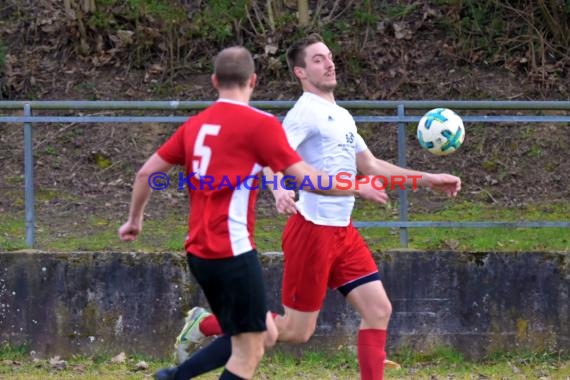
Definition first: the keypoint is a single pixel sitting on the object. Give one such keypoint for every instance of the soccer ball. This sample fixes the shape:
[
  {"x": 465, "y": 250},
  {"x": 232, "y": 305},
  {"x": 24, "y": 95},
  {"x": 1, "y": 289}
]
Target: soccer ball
[{"x": 441, "y": 131}]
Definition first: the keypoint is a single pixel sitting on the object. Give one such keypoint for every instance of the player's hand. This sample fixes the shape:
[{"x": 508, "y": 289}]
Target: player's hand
[
  {"x": 285, "y": 201},
  {"x": 372, "y": 189},
  {"x": 446, "y": 183},
  {"x": 129, "y": 231}
]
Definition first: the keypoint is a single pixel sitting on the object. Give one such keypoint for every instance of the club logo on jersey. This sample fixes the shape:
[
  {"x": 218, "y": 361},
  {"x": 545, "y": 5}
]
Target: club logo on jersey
[{"x": 348, "y": 143}]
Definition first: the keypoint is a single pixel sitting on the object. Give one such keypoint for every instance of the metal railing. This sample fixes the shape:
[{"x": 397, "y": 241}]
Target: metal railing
[{"x": 400, "y": 119}]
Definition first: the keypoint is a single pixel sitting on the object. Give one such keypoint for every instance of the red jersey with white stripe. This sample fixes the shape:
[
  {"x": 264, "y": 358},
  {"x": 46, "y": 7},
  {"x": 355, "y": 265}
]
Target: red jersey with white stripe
[{"x": 222, "y": 148}]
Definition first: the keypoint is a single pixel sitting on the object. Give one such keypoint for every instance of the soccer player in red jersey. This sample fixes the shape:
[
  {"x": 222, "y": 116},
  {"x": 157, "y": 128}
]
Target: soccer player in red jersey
[{"x": 228, "y": 143}]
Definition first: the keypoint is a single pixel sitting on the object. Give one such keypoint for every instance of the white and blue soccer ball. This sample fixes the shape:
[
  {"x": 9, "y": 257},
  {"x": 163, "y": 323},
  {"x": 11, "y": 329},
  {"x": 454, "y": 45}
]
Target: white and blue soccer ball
[{"x": 441, "y": 131}]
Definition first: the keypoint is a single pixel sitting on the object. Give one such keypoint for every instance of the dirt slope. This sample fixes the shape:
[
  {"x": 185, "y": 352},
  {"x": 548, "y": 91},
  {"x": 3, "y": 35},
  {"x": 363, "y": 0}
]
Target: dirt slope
[{"x": 86, "y": 170}]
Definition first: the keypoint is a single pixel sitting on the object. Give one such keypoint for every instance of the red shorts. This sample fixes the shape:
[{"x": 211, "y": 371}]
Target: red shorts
[{"x": 317, "y": 257}]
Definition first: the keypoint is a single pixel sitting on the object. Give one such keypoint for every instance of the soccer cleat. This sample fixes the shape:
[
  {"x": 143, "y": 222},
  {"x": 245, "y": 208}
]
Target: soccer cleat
[
  {"x": 165, "y": 374},
  {"x": 190, "y": 333},
  {"x": 391, "y": 364}
]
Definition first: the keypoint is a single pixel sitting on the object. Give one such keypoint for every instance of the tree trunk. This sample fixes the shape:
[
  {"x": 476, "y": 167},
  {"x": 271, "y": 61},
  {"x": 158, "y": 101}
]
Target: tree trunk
[{"x": 303, "y": 7}]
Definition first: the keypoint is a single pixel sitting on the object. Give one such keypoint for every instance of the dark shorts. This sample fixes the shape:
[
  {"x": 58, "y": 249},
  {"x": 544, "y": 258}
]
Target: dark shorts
[{"x": 234, "y": 289}]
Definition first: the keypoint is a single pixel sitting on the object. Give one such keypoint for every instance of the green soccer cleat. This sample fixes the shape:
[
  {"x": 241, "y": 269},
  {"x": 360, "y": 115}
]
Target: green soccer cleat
[{"x": 190, "y": 334}]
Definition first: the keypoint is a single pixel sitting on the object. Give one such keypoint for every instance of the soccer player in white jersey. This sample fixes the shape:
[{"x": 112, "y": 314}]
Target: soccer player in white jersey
[{"x": 321, "y": 247}]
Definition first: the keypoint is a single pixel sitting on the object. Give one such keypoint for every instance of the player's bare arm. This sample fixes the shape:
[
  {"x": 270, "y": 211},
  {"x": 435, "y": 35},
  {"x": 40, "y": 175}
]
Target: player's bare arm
[
  {"x": 284, "y": 198},
  {"x": 367, "y": 188},
  {"x": 367, "y": 164},
  {"x": 141, "y": 194}
]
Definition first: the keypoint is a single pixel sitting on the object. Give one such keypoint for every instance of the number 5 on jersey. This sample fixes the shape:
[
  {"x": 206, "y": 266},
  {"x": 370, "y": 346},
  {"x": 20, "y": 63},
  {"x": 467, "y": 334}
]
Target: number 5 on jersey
[{"x": 203, "y": 151}]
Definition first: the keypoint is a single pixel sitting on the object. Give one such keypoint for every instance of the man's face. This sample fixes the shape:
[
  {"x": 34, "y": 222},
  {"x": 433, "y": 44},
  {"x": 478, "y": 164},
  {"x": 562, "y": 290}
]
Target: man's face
[{"x": 319, "y": 71}]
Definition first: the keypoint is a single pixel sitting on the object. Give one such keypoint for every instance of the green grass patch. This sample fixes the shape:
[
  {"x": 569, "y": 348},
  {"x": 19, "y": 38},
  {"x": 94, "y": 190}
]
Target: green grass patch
[
  {"x": 97, "y": 233},
  {"x": 100, "y": 234},
  {"x": 441, "y": 363},
  {"x": 13, "y": 352},
  {"x": 12, "y": 232},
  {"x": 471, "y": 239}
]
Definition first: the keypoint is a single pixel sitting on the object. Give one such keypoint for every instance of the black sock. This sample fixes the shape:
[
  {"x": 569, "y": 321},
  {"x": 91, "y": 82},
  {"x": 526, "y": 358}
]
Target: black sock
[
  {"x": 227, "y": 375},
  {"x": 214, "y": 355}
]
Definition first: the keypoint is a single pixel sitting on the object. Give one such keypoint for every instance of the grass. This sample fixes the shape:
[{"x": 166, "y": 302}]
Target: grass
[
  {"x": 167, "y": 234},
  {"x": 442, "y": 363},
  {"x": 473, "y": 239}
]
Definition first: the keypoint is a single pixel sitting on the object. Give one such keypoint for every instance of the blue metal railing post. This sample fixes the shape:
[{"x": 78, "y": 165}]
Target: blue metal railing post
[
  {"x": 403, "y": 194},
  {"x": 29, "y": 179}
]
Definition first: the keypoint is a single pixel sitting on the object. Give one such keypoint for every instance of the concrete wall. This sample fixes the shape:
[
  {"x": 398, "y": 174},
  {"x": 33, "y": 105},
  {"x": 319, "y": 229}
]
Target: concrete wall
[{"x": 86, "y": 303}]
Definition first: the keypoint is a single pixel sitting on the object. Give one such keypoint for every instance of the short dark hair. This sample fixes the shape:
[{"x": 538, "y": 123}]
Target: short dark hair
[
  {"x": 296, "y": 52},
  {"x": 233, "y": 67}
]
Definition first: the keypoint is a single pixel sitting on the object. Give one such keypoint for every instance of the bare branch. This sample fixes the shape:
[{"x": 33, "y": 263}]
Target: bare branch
[
  {"x": 270, "y": 16},
  {"x": 303, "y": 9}
]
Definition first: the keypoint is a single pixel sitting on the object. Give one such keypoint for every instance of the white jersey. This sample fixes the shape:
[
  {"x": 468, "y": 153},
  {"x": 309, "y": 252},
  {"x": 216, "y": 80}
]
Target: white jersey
[{"x": 324, "y": 134}]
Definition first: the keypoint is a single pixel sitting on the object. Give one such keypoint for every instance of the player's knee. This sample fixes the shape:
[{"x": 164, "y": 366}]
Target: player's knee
[
  {"x": 388, "y": 308},
  {"x": 377, "y": 314},
  {"x": 384, "y": 311}
]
